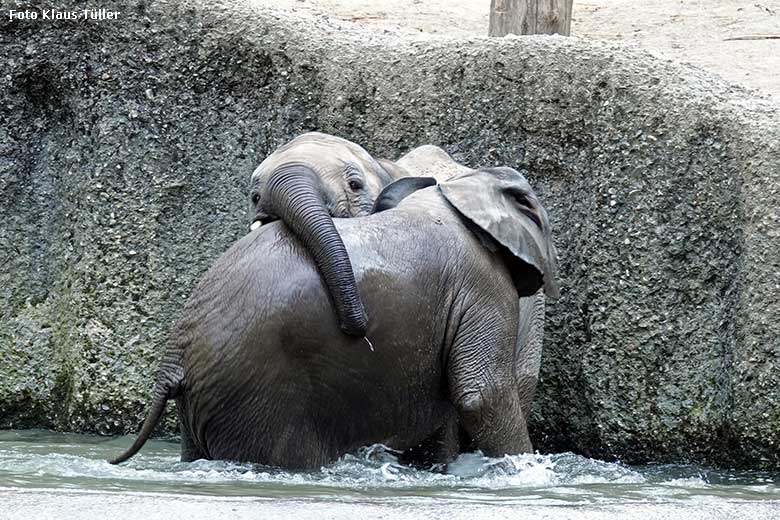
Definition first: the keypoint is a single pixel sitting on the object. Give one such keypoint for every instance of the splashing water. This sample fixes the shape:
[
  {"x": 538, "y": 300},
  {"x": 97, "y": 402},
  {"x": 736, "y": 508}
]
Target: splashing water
[{"x": 31, "y": 461}]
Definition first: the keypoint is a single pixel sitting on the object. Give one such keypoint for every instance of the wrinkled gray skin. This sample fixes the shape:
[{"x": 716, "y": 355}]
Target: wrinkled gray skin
[
  {"x": 432, "y": 161},
  {"x": 350, "y": 178},
  {"x": 306, "y": 183},
  {"x": 348, "y": 182},
  {"x": 261, "y": 372},
  {"x": 318, "y": 176}
]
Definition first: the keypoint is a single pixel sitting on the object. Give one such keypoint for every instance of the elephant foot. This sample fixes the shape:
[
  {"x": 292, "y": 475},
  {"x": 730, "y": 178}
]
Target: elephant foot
[{"x": 437, "y": 450}]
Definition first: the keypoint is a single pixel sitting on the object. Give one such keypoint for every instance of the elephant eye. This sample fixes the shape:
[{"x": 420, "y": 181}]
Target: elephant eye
[
  {"x": 525, "y": 205},
  {"x": 255, "y": 198},
  {"x": 518, "y": 196},
  {"x": 355, "y": 185}
]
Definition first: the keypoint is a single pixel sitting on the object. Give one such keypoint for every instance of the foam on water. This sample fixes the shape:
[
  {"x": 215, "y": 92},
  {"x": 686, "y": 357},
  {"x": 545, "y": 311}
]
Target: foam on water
[{"x": 48, "y": 460}]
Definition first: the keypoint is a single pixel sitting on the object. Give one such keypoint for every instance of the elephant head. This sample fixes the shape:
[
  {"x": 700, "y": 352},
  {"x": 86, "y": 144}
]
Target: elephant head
[
  {"x": 500, "y": 202},
  {"x": 306, "y": 183},
  {"x": 430, "y": 161}
]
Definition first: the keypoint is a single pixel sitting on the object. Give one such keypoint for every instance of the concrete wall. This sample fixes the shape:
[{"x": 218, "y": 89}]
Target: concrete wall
[{"x": 125, "y": 153}]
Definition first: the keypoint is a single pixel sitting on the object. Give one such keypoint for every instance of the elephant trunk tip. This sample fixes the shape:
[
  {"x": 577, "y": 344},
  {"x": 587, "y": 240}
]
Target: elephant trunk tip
[{"x": 354, "y": 326}]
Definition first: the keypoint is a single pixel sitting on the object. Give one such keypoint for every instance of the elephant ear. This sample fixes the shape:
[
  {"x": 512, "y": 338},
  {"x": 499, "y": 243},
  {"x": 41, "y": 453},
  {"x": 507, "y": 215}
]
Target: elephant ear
[
  {"x": 501, "y": 203},
  {"x": 394, "y": 193}
]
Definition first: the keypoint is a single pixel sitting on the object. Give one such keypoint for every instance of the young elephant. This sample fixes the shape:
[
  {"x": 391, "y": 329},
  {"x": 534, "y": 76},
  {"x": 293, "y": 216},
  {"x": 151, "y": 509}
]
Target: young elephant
[
  {"x": 432, "y": 161},
  {"x": 261, "y": 373},
  {"x": 307, "y": 182}
]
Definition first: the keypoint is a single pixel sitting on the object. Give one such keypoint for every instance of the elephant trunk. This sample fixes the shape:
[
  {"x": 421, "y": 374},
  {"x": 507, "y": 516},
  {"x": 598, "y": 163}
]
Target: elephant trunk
[{"x": 294, "y": 197}]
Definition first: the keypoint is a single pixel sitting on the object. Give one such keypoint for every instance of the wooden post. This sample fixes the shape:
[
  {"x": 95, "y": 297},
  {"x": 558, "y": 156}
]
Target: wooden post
[{"x": 530, "y": 17}]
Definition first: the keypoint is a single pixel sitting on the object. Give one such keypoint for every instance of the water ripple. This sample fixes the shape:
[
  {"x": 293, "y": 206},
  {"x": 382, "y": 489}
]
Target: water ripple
[{"x": 48, "y": 460}]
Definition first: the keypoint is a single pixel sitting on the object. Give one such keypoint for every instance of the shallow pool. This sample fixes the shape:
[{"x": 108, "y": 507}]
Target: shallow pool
[{"x": 53, "y": 475}]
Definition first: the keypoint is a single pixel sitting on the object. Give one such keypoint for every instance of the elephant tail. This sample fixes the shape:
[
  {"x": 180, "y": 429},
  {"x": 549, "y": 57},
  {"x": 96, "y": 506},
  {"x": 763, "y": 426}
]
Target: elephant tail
[{"x": 165, "y": 389}]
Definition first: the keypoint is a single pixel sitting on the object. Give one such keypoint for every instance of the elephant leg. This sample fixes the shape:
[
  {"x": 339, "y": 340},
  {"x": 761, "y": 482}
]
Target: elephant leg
[
  {"x": 189, "y": 449},
  {"x": 494, "y": 420},
  {"x": 528, "y": 354},
  {"x": 440, "y": 448},
  {"x": 483, "y": 387}
]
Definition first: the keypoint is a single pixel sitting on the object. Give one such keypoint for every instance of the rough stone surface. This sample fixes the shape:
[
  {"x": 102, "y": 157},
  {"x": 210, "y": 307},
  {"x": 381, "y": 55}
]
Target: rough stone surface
[{"x": 126, "y": 148}]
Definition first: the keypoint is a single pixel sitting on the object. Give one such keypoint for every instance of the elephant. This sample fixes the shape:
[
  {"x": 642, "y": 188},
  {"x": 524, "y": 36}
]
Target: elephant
[
  {"x": 428, "y": 161},
  {"x": 261, "y": 372},
  {"x": 334, "y": 161},
  {"x": 306, "y": 183},
  {"x": 317, "y": 177},
  {"x": 432, "y": 161}
]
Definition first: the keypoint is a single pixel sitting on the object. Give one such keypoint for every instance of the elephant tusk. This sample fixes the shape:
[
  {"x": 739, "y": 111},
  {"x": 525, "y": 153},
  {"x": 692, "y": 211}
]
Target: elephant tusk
[
  {"x": 256, "y": 224},
  {"x": 370, "y": 345}
]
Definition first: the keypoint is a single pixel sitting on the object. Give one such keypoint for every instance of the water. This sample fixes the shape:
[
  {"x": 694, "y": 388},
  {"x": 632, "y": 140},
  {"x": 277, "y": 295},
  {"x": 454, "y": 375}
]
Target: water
[{"x": 52, "y": 475}]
